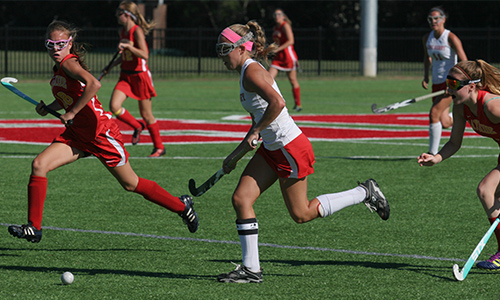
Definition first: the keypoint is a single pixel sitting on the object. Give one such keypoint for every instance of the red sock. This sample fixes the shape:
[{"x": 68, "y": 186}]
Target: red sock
[
  {"x": 37, "y": 191},
  {"x": 153, "y": 192},
  {"x": 128, "y": 119},
  {"x": 296, "y": 96},
  {"x": 497, "y": 231},
  {"x": 154, "y": 132}
]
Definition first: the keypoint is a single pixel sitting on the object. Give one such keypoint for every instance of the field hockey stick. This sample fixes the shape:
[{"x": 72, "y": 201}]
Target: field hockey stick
[
  {"x": 109, "y": 65},
  {"x": 460, "y": 275},
  {"x": 7, "y": 82},
  {"x": 202, "y": 189},
  {"x": 404, "y": 103}
]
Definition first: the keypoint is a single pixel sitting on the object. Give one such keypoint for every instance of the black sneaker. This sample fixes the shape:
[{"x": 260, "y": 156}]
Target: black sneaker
[
  {"x": 241, "y": 275},
  {"x": 375, "y": 200},
  {"x": 136, "y": 136},
  {"x": 189, "y": 216},
  {"x": 27, "y": 231}
]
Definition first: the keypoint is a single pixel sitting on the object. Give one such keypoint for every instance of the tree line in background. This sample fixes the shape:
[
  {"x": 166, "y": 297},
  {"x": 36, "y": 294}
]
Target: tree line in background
[{"x": 218, "y": 14}]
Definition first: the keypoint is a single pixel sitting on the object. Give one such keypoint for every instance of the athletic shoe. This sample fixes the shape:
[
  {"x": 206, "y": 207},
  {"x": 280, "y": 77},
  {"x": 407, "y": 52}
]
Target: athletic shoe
[
  {"x": 241, "y": 275},
  {"x": 189, "y": 216},
  {"x": 157, "y": 152},
  {"x": 27, "y": 231},
  {"x": 492, "y": 264},
  {"x": 136, "y": 136},
  {"x": 297, "y": 108},
  {"x": 375, "y": 200}
]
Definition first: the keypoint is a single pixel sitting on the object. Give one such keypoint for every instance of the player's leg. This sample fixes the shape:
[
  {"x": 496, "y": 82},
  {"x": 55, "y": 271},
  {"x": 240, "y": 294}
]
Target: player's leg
[
  {"x": 440, "y": 106},
  {"x": 153, "y": 192},
  {"x": 116, "y": 107},
  {"x": 367, "y": 192},
  {"x": 488, "y": 192},
  {"x": 54, "y": 156},
  {"x": 294, "y": 193},
  {"x": 146, "y": 110},
  {"x": 445, "y": 118},
  {"x": 292, "y": 77},
  {"x": 256, "y": 178},
  {"x": 273, "y": 71}
]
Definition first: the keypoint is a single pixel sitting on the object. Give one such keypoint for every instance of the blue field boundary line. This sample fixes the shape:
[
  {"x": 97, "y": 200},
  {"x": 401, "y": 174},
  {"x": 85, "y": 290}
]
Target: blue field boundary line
[{"x": 414, "y": 256}]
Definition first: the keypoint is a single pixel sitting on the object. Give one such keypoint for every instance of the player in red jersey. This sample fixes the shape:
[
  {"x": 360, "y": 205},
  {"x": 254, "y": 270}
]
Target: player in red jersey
[
  {"x": 93, "y": 132},
  {"x": 475, "y": 89},
  {"x": 135, "y": 78},
  {"x": 286, "y": 59}
]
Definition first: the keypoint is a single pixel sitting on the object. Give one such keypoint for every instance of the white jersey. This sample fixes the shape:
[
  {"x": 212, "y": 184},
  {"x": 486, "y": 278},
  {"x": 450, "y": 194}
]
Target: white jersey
[
  {"x": 443, "y": 56},
  {"x": 282, "y": 130}
]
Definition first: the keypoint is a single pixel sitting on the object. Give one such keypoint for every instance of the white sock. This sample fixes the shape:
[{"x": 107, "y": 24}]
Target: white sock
[
  {"x": 331, "y": 203},
  {"x": 248, "y": 230},
  {"x": 435, "y": 130}
]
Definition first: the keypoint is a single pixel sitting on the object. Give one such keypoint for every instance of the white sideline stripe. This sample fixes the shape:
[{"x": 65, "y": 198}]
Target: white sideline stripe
[
  {"x": 223, "y": 157},
  {"x": 237, "y": 243}
]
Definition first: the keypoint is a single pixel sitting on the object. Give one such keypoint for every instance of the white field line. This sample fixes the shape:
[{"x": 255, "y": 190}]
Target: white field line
[{"x": 415, "y": 256}]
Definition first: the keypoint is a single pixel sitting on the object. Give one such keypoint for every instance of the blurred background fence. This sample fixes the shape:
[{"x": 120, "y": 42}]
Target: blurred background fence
[{"x": 184, "y": 52}]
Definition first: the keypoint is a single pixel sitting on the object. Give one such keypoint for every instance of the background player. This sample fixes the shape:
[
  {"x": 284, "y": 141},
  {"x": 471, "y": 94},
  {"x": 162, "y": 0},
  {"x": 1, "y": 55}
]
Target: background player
[
  {"x": 285, "y": 58},
  {"x": 441, "y": 48},
  {"x": 135, "y": 78}
]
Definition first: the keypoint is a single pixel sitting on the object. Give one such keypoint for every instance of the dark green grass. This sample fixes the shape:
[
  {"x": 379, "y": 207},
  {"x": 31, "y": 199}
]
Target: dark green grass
[{"x": 435, "y": 212}]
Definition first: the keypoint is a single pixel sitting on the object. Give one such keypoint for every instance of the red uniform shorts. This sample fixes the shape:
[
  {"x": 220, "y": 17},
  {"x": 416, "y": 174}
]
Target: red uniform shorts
[
  {"x": 138, "y": 86},
  {"x": 295, "y": 160},
  {"x": 107, "y": 146},
  {"x": 439, "y": 87}
]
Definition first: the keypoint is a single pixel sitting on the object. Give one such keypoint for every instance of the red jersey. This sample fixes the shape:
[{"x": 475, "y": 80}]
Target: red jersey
[
  {"x": 286, "y": 59},
  {"x": 130, "y": 62},
  {"x": 89, "y": 121},
  {"x": 481, "y": 124}
]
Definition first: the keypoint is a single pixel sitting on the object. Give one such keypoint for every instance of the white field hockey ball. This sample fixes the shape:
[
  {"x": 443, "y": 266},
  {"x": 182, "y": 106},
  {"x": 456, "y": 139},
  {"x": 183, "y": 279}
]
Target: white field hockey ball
[{"x": 67, "y": 278}]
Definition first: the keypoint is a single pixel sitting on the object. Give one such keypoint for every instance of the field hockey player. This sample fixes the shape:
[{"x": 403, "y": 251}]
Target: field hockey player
[
  {"x": 93, "y": 132},
  {"x": 286, "y": 155}
]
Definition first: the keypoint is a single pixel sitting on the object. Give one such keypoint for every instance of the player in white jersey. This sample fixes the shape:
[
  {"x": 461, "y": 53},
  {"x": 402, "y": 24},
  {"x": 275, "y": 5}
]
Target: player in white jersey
[
  {"x": 286, "y": 155},
  {"x": 441, "y": 49}
]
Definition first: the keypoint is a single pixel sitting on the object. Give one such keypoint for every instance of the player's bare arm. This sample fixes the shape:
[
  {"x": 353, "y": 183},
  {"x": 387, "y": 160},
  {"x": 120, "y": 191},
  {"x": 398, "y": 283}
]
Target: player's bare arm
[
  {"x": 456, "y": 44},
  {"x": 258, "y": 80}
]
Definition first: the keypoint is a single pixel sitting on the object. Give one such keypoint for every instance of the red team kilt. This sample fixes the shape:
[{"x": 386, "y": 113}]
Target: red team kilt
[
  {"x": 285, "y": 60},
  {"x": 138, "y": 86},
  {"x": 439, "y": 87},
  {"x": 107, "y": 146},
  {"x": 295, "y": 160}
]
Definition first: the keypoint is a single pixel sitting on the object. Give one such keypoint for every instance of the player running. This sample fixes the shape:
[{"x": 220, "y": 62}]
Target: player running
[
  {"x": 93, "y": 132},
  {"x": 135, "y": 78},
  {"x": 286, "y": 59},
  {"x": 441, "y": 48},
  {"x": 475, "y": 88},
  {"x": 285, "y": 156}
]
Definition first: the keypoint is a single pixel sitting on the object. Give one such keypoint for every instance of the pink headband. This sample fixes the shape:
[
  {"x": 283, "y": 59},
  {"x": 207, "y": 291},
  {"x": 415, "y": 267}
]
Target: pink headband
[{"x": 233, "y": 37}]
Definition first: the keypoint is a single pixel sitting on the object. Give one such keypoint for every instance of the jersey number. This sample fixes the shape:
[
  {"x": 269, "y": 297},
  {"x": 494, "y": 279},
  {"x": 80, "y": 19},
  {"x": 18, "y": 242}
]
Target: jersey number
[{"x": 65, "y": 99}]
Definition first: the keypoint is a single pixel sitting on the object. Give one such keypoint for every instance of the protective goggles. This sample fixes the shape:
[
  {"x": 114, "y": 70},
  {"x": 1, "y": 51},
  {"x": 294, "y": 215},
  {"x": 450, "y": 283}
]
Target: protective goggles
[
  {"x": 119, "y": 12},
  {"x": 223, "y": 49},
  {"x": 455, "y": 84},
  {"x": 57, "y": 45},
  {"x": 438, "y": 19}
]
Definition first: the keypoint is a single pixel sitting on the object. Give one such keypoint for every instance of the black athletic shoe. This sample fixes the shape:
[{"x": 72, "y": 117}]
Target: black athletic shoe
[
  {"x": 241, "y": 275},
  {"x": 136, "y": 136},
  {"x": 189, "y": 216},
  {"x": 27, "y": 231},
  {"x": 375, "y": 200}
]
